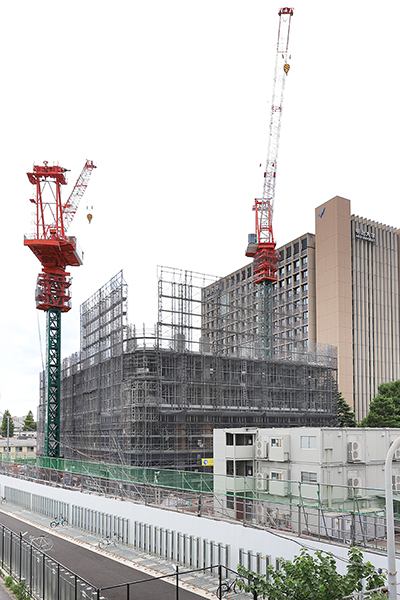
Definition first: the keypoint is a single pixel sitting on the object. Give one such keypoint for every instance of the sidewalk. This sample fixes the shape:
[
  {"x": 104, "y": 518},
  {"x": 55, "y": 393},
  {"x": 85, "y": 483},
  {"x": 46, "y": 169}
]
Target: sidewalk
[
  {"x": 5, "y": 593},
  {"x": 199, "y": 583}
]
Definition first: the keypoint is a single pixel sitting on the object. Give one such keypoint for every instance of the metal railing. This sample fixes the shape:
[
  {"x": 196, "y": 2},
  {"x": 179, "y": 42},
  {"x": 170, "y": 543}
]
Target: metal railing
[{"x": 44, "y": 577}]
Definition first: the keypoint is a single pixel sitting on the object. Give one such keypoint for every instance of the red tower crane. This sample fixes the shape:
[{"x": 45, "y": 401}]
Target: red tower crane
[
  {"x": 56, "y": 251},
  {"x": 261, "y": 245}
]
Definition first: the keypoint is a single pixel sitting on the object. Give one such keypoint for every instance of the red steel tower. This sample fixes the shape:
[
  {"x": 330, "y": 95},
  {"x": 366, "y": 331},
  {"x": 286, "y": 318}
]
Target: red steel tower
[{"x": 56, "y": 251}]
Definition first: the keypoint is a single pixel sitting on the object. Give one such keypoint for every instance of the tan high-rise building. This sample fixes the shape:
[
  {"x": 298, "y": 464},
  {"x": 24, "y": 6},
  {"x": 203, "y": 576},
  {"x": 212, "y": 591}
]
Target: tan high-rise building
[
  {"x": 357, "y": 299},
  {"x": 339, "y": 287}
]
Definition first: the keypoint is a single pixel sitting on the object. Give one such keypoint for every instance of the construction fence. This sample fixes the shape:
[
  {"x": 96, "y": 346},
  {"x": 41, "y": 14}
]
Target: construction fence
[{"x": 357, "y": 519}]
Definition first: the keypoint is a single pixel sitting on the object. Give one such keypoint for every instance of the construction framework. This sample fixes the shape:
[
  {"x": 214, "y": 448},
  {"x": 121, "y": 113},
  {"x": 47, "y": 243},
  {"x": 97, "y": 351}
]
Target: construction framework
[{"x": 151, "y": 398}]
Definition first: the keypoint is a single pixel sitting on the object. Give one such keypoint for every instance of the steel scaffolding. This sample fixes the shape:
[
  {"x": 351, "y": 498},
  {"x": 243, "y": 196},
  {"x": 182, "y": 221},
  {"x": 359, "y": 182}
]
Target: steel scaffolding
[{"x": 151, "y": 398}]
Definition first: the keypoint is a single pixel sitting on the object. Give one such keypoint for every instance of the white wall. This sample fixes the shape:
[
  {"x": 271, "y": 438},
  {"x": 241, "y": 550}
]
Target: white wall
[{"x": 276, "y": 545}]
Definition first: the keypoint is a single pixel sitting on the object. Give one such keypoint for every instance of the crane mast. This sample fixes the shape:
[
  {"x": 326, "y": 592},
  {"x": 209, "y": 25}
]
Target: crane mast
[
  {"x": 56, "y": 251},
  {"x": 261, "y": 245}
]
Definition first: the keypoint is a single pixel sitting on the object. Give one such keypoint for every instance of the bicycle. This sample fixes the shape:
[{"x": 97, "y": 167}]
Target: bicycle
[
  {"x": 57, "y": 522},
  {"x": 110, "y": 540},
  {"x": 3, "y": 499},
  {"x": 42, "y": 542},
  {"x": 228, "y": 586}
]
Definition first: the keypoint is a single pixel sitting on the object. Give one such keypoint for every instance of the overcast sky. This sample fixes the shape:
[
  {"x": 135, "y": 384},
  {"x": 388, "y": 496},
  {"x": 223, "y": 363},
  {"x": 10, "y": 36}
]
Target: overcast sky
[{"x": 171, "y": 101}]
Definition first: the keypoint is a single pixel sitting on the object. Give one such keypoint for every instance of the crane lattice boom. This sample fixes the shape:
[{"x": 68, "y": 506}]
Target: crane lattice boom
[{"x": 71, "y": 205}]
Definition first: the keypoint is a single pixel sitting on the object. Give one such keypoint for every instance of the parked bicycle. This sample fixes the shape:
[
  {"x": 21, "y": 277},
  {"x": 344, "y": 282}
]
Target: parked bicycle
[
  {"x": 228, "y": 586},
  {"x": 3, "y": 499},
  {"x": 57, "y": 522},
  {"x": 42, "y": 542},
  {"x": 110, "y": 540}
]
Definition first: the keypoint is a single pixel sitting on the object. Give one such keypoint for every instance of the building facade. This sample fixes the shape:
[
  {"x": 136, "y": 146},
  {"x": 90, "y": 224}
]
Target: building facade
[
  {"x": 230, "y": 310},
  {"x": 153, "y": 399},
  {"x": 338, "y": 287},
  {"x": 338, "y": 469},
  {"x": 357, "y": 299}
]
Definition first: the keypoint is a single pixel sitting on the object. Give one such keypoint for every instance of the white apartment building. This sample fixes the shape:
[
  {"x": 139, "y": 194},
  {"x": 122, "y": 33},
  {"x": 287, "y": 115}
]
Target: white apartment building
[{"x": 333, "y": 466}]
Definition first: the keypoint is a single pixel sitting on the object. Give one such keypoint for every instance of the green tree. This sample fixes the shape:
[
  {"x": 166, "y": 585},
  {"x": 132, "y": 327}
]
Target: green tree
[
  {"x": 346, "y": 416},
  {"x": 29, "y": 422},
  {"x": 4, "y": 424},
  {"x": 312, "y": 577},
  {"x": 384, "y": 410},
  {"x": 382, "y": 413}
]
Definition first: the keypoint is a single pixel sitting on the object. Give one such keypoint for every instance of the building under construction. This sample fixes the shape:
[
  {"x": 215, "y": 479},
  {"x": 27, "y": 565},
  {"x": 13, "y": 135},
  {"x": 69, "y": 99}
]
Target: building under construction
[{"x": 153, "y": 398}]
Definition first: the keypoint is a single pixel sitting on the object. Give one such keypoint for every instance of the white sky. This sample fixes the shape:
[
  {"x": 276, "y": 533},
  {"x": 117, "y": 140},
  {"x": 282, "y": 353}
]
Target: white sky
[{"x": 171, "y": 101}]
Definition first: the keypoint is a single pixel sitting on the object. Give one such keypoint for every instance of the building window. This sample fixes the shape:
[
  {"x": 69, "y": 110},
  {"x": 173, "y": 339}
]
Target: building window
[
  {"x": 229, "y": 467},
  {"x": 296, "y": 248},
  {"x": 288, "y": 252},
  {"x": 289, "y": 281},
  {"x": 304, "y": 261},
  {"x": 304, "y": 244},
  {"x": 229, "y": 439},
  {"x": 276, "y": 442},
  {"x": 308, "y": 442},
  {"x": 289, "y": 268},
  {"x": 230, "y": 502},
  {"x": 308, "y": 477},
  {"x": 305, "y": 315},
  {"x": 281, "y": 271},
  {"x": 304, "y": 287},
  {"x": 276, "y": 475}
]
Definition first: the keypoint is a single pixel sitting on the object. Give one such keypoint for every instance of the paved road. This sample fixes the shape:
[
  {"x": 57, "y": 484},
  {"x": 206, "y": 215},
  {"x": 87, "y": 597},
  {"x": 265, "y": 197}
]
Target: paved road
[{"x": 100, "y": 570}]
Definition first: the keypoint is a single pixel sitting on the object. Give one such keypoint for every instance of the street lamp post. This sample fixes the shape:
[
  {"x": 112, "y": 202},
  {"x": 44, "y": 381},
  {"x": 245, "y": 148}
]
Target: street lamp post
[
  {"x": 8, "y": 438},
  {"x": 391, "y": 549}
]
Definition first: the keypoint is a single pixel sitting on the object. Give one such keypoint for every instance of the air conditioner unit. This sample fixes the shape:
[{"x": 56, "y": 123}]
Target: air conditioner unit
[
  {"x": 354, "y": 485},
  {"x": 396, "y": 483},
  {"x": 354, "y": 451},
  {"x": 261, "y": 449},
  {"x": 261, "y": 482}
]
